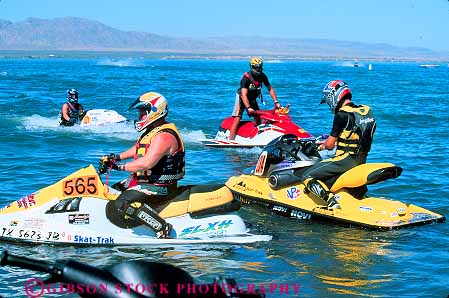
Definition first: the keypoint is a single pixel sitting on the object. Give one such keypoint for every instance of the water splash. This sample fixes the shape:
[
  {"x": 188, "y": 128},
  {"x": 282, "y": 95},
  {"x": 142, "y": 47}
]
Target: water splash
[
  {"x": 349, "y": 64},
  {"x": 274, "y": 61},
  {"x": 192, "y": 136},
  {"x": 36, "y": 122},
  {"x": 129, "y": 62}
]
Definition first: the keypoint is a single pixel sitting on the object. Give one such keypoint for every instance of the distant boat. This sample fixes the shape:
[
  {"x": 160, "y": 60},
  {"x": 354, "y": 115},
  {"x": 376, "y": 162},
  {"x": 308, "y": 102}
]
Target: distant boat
[
  {"x": 370, "y": 67},
  {"x": 356, "y": 64},
  {"x": 429, "y": 65}
]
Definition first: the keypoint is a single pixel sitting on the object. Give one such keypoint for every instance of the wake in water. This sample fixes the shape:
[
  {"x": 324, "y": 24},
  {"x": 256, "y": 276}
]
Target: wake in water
[
  {"x": 128, "y": 62},
  {"x": 36, "y": 122},
  {"x": 124, "y": 131},
  {"x": 192, "y": 136},
  {"x": 274, "y": 61},
  {"x": 349, "y": 64}
]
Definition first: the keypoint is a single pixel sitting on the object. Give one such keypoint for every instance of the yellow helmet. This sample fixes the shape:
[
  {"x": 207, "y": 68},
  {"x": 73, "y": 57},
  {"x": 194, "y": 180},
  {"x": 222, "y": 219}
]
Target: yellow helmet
[
  {"x": 256, "y": 65},
  {"x": 151, "y": 106}
]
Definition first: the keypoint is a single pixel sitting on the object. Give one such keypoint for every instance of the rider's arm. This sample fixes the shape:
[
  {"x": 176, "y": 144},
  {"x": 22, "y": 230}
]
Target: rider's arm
[
  {"x": 329, "y": 144},
  {"x": 128, "y": 153},
  {"x": 65, "y": 112},
  {"x": 340, "y": 122},
  {"x": 270, "y": 89},
  {"x": 273, "y": 95},
  {"x": 162, "y": 144}
]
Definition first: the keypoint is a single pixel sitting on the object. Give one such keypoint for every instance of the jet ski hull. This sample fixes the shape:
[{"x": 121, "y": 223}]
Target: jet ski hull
[
  {"x": 73, "y": 211},
  {"x": 292, "y": 201},
  {"x": 101, "y": 117},
  {"x": 275, "y": 123}
]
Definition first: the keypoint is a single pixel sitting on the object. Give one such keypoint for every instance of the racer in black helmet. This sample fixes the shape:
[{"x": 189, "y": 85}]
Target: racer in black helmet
[{"x": 72, "y": 111}]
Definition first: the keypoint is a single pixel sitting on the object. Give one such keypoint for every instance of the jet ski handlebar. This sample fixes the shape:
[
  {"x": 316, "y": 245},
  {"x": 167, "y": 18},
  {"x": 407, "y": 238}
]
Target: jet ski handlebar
[
  {"x": 172, "y": 281},
  {"x": 290, "y": 147}
]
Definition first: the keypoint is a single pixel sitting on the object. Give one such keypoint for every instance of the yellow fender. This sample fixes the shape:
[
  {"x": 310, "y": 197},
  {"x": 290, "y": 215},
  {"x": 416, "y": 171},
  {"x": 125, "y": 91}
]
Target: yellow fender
[{"x": 369, "y": 173}]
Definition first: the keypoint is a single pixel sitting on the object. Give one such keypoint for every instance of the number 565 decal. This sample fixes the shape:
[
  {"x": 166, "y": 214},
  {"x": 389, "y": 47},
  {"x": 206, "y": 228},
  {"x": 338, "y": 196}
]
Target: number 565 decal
[{"x": 86, "y": 185}]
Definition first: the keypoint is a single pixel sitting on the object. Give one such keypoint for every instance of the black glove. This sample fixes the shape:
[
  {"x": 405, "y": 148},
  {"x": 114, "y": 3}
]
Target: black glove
[
  {"x": 102, "y": 168},
  {"x": 108, "y": 161}
]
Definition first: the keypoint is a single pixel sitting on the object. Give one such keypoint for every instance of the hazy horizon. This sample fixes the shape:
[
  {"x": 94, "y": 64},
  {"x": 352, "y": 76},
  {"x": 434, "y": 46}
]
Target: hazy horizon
[{"x": 400, "y": 23}]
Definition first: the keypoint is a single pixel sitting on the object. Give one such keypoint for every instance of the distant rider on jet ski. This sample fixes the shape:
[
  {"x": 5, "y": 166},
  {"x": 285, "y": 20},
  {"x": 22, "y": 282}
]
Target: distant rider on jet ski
[
  {"x": 159, "y": 162},
  {"x": 352, "y": 132},
  {"x": 250, "y": 89},
  {"x": 72, "y": 111}
]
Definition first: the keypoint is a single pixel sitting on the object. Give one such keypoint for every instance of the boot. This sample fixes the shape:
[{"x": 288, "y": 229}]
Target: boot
[
  {"x": 149, "y": 217},
  {"x": 319, "y": 189}
]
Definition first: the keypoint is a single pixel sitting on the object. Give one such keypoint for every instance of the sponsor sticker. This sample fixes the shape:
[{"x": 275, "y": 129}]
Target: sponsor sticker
[
  {"x": 280, "y": 209},
  {"x": 214, "y": 228},
  {"x": 293, "y": 192},
  {"x": 300, "y": 215},
  {"x": 34, "y": 223},
  {"x": 86, "y": 119},
  {"x": 26, "y": 202},
  {"x": 365, "y": 208},
  {"x": 79, "y": 219},
  {"x": 149, "y": 220},
  {"x": 93, "y": 240},
  {"x": 260, "y": 167},
  {"x": 242, "y": 185}
]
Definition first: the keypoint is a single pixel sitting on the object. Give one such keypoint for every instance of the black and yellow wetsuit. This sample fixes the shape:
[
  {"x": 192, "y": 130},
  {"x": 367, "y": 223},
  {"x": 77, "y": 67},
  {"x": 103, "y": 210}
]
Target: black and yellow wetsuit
[{"x": 354, "y": 127}]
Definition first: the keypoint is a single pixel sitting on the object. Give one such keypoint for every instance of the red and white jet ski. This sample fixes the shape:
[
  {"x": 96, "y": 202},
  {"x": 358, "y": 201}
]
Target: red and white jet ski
[{"x": 275, "y": 123}]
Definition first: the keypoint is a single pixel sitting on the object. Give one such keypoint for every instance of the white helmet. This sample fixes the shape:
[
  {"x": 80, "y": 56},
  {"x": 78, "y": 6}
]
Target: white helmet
[{"x": 151, "y": 106}]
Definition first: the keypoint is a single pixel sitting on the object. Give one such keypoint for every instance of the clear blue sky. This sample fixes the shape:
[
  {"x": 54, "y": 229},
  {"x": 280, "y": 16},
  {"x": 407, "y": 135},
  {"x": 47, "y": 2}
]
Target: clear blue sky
[{"x": 423, "y": 23}]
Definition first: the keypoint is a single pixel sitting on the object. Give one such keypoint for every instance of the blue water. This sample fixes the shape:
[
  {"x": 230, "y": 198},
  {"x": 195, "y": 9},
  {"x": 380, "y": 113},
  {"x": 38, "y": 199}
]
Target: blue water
[{"x": 409, "y": 102}]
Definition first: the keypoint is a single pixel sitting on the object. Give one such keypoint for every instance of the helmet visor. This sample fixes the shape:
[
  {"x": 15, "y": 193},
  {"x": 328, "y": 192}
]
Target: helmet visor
[
  {"x": 257, "y": 67},
  {"x": 143, "y": 114}
]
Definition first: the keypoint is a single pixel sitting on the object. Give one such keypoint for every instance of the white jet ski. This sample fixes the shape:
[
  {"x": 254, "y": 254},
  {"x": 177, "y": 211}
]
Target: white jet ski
[
  {"x": 73, "y": 211},
  {"x": 100, "y": 117}
]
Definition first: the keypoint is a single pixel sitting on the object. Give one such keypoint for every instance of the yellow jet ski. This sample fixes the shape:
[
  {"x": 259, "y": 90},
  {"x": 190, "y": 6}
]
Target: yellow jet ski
[{"x": 275, "y": 183}]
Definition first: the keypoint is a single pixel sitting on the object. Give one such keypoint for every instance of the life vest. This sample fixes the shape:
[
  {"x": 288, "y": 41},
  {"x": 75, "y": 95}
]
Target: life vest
[
  {"x": 357, "y": 139},
  {"x": 169, "y": 169},
  {"x": 255, "y": 87},
  {"x": 74, "y": 111}
]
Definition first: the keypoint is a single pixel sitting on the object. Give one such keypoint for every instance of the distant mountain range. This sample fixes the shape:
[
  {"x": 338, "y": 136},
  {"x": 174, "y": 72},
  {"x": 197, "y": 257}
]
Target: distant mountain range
[{"x": 77, "y": 34}]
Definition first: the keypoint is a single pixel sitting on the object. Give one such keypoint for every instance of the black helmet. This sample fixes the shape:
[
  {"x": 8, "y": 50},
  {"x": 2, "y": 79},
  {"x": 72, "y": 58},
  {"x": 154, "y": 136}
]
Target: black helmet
[{"x": 72, "y": 95}]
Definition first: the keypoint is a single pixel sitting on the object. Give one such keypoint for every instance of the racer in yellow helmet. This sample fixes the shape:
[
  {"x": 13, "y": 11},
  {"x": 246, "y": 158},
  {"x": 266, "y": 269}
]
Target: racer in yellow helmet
[
  {"x": 159, "y": 163},
  {"x": 251, "y": 89}
]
